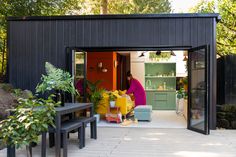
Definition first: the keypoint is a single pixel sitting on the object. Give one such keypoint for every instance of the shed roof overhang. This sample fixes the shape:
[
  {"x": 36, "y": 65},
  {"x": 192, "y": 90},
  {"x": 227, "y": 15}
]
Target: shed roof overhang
[{"x": 116, "y": 16}]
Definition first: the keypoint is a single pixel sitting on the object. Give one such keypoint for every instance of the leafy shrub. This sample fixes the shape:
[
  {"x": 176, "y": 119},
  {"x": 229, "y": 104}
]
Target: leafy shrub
[
  {"x": 96, "y": 97},
  {"x": 7, "y": 87},
  {"x": 28, "y": 120},
  {"x": 56, "y": 79}
]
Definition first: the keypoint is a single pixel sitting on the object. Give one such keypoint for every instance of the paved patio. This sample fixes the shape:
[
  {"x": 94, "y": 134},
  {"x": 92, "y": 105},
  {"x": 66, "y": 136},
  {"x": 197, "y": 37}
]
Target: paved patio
[{"x": 137, "y": 142}]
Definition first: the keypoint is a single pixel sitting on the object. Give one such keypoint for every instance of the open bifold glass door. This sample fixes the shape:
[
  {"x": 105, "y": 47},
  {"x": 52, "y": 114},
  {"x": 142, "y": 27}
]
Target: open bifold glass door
[
  {"x": 76, "y": 65},
  {"x": 198, "y": 101}
]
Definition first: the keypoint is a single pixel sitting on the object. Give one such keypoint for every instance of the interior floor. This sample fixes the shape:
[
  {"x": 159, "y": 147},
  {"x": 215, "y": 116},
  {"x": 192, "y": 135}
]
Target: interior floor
[{"x": 160, "y": 119}]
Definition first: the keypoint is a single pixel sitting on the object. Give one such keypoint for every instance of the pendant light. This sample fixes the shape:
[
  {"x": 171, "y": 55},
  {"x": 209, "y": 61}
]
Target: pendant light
[
  {"x": 142, "y": 55},
  {"x": 172, "y": 53},
  {"x": 158, "y": 53},
  {"x": 185, "y": 58}
]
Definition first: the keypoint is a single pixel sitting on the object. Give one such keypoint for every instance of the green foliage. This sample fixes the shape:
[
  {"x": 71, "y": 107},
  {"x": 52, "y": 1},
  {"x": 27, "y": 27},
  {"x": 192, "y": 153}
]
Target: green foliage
[
  {"x": 29, "y": 119},
  {"x": 226, "y": 28},
  {"x": 204, "y": 6},
  {"x": 163, "y": 55},
  {"x": 7, "y": 87},
  {"x": 93, "y": 86},
  {"x": 96, "y": 97},
  {"x": 17, "y": 92},
  {"x": 56, "y": 79},
  {"x": 112, "y": 97},
  {"x": 123, "y": 7},
  {"x": 180, "y": 93},
  {"x": 229, "y": 108},
  {"x": 185, "y": 80},
  {"x": 150, "y": 6}
]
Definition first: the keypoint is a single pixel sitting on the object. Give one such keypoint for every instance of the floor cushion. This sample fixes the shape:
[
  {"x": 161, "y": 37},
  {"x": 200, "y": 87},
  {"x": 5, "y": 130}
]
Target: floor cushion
[{"x": 143, "y": 113}]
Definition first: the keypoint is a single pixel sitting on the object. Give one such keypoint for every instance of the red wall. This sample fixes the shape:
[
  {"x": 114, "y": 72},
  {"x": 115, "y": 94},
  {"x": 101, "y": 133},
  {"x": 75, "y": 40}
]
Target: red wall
[{"x": 94, "y": 73}]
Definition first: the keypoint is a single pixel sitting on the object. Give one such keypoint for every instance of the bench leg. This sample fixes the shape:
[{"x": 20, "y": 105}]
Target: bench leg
[
  {"x": 43, "y": 144},
  {"x": 80, "y": 136},
  {"x": 95, "y": 129},
  {"x": 51, "y": 140},
  {"x": 65, "y": 144},
  {"x": 84, "y": 133},
  {"x": 91, "y": 129}
]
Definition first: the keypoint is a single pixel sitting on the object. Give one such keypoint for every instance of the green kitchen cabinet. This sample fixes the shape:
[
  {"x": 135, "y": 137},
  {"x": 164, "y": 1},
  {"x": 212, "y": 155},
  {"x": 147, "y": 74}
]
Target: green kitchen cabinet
[
  {"x": 161, "y": 100},
  {"x": 160, "y": 85}
]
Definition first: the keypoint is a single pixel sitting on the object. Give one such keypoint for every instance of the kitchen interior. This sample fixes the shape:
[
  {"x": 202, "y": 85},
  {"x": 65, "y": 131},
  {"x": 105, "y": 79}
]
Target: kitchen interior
[{"x": 163, "y": 74}]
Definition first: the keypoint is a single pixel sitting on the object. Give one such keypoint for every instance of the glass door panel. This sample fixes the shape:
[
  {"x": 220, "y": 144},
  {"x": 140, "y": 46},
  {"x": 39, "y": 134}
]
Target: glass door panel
[
  {"x": 198, "y": 102},
  {"x": 80, "y": 74}
]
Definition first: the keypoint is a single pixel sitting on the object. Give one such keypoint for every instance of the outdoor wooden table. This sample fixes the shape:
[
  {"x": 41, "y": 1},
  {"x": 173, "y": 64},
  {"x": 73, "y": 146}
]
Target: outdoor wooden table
[{"x": 60, "y": 111}]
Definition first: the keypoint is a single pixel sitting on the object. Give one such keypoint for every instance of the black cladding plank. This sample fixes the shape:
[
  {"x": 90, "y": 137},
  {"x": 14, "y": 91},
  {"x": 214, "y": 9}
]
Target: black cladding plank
[
  {"x": 60, "y": 43},
  {"x": 187, "y": 32},
  {"x": 172, "y": 32},
  {"x": 179, "y": 32},
  {"x": 201, "y": 30},
  {"x": 164, "y": 32}
]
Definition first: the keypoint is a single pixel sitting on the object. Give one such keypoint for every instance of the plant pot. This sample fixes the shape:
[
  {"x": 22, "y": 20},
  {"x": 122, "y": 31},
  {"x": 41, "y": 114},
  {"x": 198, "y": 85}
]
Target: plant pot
[
  {"x": 97, "y": 117},
  {"x": 60, "y": 96},
  {"x": 112, "y": 103}
]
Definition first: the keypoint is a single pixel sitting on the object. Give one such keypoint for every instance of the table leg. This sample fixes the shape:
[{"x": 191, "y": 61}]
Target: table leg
[
  {"x": 11, "y": 151},
  {"x": 91, "y": 111},
  {"x": 43, "y": 145},
  {"x": 58, "y": 136}
]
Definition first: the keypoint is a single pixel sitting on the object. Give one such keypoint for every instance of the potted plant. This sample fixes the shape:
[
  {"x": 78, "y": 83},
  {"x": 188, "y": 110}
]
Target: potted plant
[
  {"x": 27, "y": 121},
  {"x": 112, "y": 100},
  {"x": 180, "y": 101},
  {"x": 56, "y": 80},
  {"x": 95, "y": 98}
]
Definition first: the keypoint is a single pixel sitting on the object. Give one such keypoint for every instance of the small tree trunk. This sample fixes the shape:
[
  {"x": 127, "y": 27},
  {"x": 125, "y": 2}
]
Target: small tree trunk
[
  {"x": 104, "y": 4},
  {"x": 29, "y": 151}
]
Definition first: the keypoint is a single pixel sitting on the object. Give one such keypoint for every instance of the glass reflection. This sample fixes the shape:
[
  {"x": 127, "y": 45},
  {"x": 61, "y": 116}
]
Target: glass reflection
[{"x": 198, "y": 90}]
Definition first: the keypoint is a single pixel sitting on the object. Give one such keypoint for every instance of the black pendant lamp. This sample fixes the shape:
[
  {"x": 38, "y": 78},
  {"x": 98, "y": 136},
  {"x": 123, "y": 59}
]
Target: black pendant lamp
[
  {"x": 172, "y": 53},
  {"x": 158, "y": 53},
  {"x": 142, "y": 55}
]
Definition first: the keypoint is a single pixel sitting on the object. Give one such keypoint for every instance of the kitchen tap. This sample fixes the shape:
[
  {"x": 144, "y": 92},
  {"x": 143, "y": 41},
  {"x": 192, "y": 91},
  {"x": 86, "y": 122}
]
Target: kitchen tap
[{"x": 148, "y": 84}]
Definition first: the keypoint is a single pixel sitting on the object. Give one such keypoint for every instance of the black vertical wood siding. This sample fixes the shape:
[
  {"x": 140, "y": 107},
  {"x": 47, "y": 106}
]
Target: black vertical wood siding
[{"x": 32, "y": 42}]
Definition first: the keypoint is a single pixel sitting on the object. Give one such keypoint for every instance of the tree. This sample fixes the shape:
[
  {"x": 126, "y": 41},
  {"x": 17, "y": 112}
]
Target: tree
[
  {"x": 151, "y": 6},
  {"x": 124, "y": 6},
  {"x": 29, "y": 8},
  {"x": 75, "y": 7},
  {"x": 226, "y": 28}
]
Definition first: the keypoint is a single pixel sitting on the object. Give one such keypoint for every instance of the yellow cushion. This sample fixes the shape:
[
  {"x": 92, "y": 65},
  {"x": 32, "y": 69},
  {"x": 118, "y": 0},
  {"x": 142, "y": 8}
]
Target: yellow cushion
[
  {"x": 123, "y": 102},
  {"x": 103, "y": 104},
  {"x": 116, "y": 93},
  {"x": 122, "y": 92}
]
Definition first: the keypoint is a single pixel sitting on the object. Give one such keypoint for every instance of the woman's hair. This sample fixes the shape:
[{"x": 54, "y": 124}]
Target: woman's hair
[{"x": 129, "y": 74}]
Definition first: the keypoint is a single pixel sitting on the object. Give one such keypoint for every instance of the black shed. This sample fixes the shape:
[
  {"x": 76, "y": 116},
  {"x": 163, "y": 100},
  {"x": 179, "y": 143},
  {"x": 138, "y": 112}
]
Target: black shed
[{"x": 34, "y": 40}]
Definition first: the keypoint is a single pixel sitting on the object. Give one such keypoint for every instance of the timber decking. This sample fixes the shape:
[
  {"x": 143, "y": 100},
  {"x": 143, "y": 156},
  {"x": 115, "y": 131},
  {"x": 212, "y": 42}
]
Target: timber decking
[{"x": 133, "y": 142}]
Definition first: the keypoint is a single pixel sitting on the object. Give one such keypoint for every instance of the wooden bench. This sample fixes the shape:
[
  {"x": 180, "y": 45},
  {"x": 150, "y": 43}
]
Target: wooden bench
[{"x": 66, "y": 127}]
